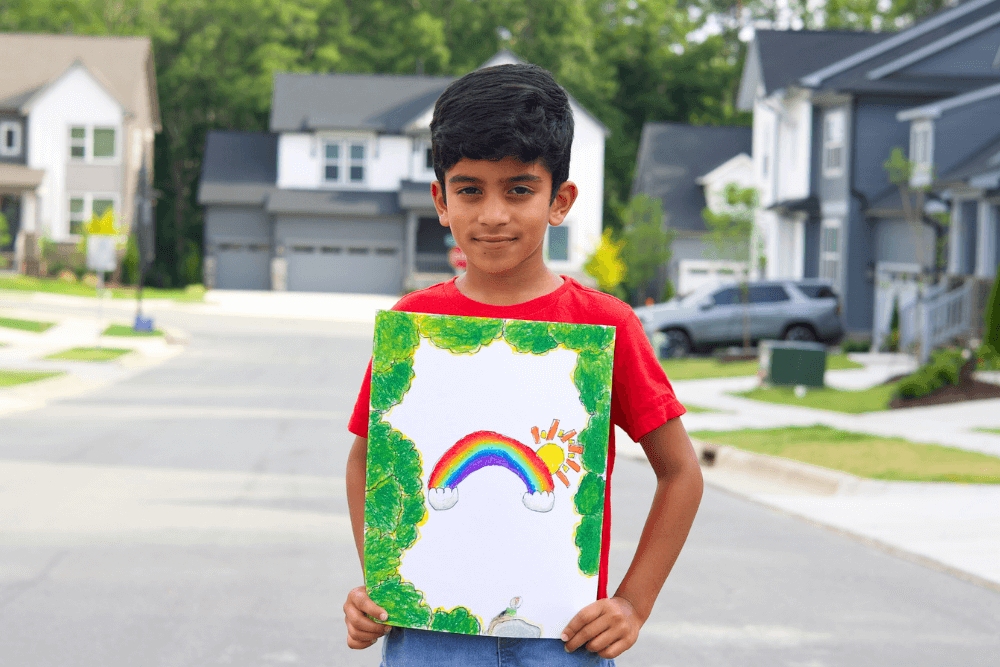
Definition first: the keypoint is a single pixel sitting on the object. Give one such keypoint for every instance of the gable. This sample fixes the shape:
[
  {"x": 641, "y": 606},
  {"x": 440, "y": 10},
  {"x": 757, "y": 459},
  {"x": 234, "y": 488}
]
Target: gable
[
  {"x": 123, "y": 65},
  {"x": 81, "y": 92}
]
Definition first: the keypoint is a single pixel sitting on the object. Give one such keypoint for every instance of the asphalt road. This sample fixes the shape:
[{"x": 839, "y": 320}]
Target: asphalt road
[{"x": 194, "y": 514}]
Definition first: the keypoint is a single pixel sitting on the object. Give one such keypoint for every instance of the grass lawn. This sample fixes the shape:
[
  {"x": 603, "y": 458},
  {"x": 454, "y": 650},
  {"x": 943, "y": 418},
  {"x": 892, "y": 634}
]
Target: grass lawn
[
  {"x": 57, "y": 286},
  {"x": 989, "y": 430},
  {"x": 25, "y": 325},
  {"x": 864, "y": 455},
  {"x": 697, "y": 408},
  {"x": 700, "y": 368},
  {"x": 126, "y": 330},
  {"x": 10, "y": 378},
  {"x": 826, "y": 398},
  {"x": 89, "y": 354}
]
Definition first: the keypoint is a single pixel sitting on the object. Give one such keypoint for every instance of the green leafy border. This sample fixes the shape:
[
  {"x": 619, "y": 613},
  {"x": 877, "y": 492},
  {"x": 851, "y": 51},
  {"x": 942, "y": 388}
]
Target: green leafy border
[{"x": 394, "y": 499}]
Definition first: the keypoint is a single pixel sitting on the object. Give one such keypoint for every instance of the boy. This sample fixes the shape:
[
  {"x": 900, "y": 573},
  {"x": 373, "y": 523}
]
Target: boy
[{"x": 501, "y": 141}]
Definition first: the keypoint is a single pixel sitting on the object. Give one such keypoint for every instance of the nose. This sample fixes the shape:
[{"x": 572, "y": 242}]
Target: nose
[{"x": 495, "y": 210}]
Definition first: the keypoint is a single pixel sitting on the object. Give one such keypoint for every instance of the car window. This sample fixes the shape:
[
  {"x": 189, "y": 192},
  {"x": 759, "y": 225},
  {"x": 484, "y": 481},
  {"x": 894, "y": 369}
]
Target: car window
[
  {"x": 726, "y": 297},
  {"x": 767, "y": 294},
  {"x": 817, "y": 291}
]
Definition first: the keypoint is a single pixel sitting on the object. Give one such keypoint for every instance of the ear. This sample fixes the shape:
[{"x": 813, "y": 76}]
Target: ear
[
  {"x": 440, "y": 204},
  {"x": 563, "y": 202}
]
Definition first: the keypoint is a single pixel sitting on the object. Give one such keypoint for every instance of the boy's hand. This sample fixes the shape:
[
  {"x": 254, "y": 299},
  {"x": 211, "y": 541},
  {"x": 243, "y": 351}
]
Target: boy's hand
[
  {"x": 608, "y": 627},
  {"x": 359, "y": 612}
]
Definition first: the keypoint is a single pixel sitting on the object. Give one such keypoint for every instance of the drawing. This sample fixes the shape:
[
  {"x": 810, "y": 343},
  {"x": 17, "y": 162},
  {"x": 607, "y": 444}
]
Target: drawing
[
  {"x": 487, "y": 448},
  {"x": 494, "y": 409}
]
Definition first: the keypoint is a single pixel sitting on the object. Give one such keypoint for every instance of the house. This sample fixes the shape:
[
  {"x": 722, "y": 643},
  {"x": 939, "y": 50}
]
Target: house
[
  {"x": 336, "y": 197},
  {"x": 855, "y": 101},
  {"x": 688, "y": 167},
  {"x": 77, "y": 121},
  {"x": 788, "y": 227}
]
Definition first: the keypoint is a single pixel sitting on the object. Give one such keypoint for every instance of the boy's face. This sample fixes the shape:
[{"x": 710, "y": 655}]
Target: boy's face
[{"x": 498, "y": 212}]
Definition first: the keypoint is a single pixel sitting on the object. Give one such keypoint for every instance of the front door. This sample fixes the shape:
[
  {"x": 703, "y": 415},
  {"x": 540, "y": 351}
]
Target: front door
[{"x": 10, "y": 209}]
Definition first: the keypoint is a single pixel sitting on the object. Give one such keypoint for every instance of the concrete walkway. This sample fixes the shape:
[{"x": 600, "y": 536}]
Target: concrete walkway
[{"x": 947, "y": 526}]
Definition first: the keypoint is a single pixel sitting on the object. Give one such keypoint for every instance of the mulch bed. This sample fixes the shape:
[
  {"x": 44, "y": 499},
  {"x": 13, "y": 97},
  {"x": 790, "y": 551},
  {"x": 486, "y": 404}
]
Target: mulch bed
[{"x": 972, "y": 390}]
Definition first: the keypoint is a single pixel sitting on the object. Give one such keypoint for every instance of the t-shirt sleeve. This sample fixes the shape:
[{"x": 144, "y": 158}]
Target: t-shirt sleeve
[
  {"x": 358, "y": 425},
  {"x": 642, "y": 398}
]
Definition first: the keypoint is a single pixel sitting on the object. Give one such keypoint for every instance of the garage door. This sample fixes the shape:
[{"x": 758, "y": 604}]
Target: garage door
[
  {"x": 330, "y": 266},
  {"x": 243, "y": 265}
]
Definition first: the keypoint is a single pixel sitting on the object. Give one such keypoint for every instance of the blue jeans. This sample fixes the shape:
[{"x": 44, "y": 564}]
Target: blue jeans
[{"x": 417, "y": 648}]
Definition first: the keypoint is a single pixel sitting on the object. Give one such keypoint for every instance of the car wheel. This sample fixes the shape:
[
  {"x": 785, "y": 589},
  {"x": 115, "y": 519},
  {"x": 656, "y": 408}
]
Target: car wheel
[
  {"x": 677, "y": 344},
  {"x": 800, "y": 332}
]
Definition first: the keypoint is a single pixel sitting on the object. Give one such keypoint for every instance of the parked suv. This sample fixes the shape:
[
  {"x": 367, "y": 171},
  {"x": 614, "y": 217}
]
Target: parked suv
[{"x": 805, "y": 310}]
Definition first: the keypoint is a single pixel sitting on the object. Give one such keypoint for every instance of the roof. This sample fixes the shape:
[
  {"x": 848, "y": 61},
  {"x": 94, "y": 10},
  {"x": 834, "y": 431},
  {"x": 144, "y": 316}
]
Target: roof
[
  {"x": 18, "y": 177},
  {"x": 785, "y": 56},
  {"x": 238, "y": 167},
  {"x": 984, "y": 162},
  {"x": 123, "y": 64},
  {"x": 334, "y": 202},
  {"x": 377, "y": 102},
  {"x": 881, "y": 67},
  {"x": 374, "y": 102},
  {"x": 672, "y": 156},
  {"x": 935, "y": 109}
]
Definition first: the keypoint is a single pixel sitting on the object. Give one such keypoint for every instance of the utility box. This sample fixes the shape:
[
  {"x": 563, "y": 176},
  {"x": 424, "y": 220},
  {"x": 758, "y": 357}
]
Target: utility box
[{"x": 787, "y": 362}]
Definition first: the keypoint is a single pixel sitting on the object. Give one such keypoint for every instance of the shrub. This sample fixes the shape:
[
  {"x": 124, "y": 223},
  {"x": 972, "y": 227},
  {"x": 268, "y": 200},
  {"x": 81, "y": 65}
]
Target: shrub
[
  {"x": 991, "y": 318},
  {"x": 944, "y": 369},
  {"x": 856, "y": 346}
]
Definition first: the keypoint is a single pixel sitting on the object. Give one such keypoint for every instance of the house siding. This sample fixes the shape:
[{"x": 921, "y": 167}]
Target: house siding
[
  {"x": 93, "y": 178},
  {"x": 961, "y": 132}
]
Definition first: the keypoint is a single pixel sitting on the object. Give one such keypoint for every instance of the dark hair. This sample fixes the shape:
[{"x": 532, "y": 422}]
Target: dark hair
[{"x": 504, "y": 111}]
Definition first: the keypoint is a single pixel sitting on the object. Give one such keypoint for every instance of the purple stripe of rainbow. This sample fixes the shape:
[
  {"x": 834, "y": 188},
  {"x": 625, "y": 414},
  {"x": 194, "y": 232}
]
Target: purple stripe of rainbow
[{"x": 488, "y": 448}]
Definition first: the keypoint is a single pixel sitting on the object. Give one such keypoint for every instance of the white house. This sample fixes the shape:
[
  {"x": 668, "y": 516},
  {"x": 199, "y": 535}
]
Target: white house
[
  {"x": 77, "y": 121},
  {"x": 337, "y": 196}
]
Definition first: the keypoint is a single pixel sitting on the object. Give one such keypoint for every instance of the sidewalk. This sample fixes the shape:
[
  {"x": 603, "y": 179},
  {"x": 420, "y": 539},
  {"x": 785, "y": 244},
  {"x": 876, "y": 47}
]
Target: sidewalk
[
  {"x": 26, "y": 351},
  {"x": 951, "y": 527}
]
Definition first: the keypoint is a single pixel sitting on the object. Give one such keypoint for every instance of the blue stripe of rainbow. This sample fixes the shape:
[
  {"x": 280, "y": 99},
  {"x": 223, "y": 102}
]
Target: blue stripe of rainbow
[{"x": 488, "y": 448}]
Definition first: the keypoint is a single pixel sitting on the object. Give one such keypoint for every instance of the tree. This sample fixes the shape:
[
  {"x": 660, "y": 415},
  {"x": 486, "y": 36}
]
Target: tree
[
  {"x": 605, "y": 265},
  {"x": 645, "y": 245},
  {"x": 729, "y": 232}
]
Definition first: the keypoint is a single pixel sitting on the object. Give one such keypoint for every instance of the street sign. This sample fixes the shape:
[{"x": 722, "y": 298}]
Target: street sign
[{"x": 101, "y": 253}]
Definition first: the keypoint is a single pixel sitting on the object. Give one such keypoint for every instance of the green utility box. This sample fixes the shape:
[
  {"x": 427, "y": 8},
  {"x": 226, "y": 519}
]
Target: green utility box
[{"x": 787, "y": 362}]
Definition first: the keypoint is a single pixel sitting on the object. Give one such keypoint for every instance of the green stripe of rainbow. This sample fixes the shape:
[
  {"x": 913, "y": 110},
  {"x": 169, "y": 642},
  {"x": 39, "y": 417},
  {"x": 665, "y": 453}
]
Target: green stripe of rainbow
[{"x": 487, "y": 448}]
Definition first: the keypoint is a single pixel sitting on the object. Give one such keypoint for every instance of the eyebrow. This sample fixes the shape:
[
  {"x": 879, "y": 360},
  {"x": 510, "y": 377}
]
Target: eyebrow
[{"x": 522, "y": 178}]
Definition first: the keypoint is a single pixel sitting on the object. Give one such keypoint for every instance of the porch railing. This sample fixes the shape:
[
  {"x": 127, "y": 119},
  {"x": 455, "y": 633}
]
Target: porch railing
[{"x": 938, "y": 317}]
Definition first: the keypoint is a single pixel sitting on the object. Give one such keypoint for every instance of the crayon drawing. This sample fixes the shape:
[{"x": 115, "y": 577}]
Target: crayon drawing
[{"x": 487, "y": 456}]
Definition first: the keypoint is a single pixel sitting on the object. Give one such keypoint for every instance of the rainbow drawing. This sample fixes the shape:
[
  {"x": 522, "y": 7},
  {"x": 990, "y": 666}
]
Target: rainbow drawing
[{"x": 488, "y": 448}]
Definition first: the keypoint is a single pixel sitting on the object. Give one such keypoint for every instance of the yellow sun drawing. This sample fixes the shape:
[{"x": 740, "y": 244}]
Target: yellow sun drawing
[{"x": 552, "y": 453}]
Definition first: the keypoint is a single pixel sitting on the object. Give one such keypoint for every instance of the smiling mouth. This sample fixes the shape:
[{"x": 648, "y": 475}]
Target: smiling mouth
[{"x": 495, "y": 240}]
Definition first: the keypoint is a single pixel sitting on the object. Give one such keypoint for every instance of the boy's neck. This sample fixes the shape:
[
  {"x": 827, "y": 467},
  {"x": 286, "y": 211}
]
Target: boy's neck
[{"x": 507, "y": 290}]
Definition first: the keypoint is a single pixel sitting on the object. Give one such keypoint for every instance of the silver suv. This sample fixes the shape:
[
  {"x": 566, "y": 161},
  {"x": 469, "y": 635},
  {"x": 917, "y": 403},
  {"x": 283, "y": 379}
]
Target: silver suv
[{"x": 805, "y": 310}]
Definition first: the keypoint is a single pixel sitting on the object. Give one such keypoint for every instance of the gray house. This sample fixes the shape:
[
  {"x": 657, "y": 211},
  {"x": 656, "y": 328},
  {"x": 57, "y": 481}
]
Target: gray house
[
  {"x": 337, "y": 196},
  {"x": 855, "y": 102},
  {"x": 686, "y": 167}
]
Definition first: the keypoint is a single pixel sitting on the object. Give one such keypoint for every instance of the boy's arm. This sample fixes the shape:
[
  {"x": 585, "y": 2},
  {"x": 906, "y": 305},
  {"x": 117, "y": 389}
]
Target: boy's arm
[
  {"x": 611, "y": 626},
  {"x": 359, "y": 610}
]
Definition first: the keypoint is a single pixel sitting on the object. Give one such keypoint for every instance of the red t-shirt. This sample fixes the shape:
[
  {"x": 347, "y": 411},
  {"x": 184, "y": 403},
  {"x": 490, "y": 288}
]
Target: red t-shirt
[{"x": 641, "y": 396}]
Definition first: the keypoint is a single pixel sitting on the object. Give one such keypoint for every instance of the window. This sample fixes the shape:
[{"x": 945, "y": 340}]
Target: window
[
  {"x": 921, "y": 152},
  {"x": 344, "y": 162},
  {"x": 90, "y": 143},
  {"x": 833, "y": 143},
  {"x": 559, "y": 244},
  {"x": 78, "y": 143},
  {"x": 817, "y": 291},
  {"x": 85, "y": 207},
  {"x": 77, "y": 219},
  {"x": 726, "y": 297},
  {"x": 767, "y": 294},
  {"x": 829, "y": 250},
  {"x": 332, "y": 162},
  {"x": 357, "y": 163},
  {"x": 10, "y": 139}
]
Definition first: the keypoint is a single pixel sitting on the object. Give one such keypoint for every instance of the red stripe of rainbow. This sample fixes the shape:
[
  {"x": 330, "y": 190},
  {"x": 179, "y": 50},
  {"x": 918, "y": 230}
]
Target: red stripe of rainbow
[{"x": 488, "y": 448}]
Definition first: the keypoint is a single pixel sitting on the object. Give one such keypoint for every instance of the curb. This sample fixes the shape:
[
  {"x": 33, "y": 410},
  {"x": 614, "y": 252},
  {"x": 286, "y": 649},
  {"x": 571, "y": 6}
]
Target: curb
[{"x": 808, "y": 477}]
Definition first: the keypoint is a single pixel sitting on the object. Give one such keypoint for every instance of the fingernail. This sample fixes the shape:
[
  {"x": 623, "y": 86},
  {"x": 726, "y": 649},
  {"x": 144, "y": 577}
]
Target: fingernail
[
  {"x": 564, "y": 637},
  {"x": 384, "y": 617}
]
